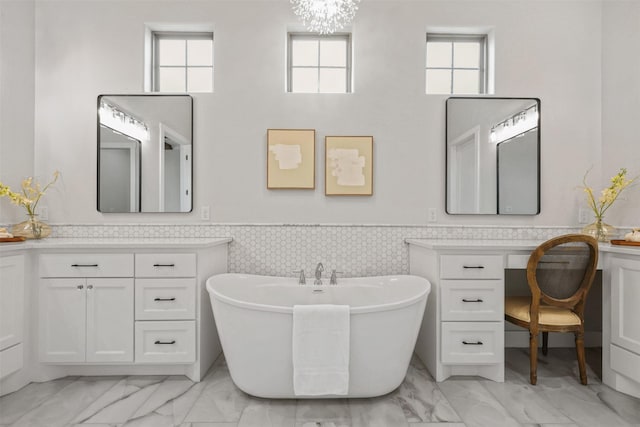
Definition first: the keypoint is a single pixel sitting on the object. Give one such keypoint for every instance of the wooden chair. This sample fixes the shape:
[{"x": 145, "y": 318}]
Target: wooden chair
[{"x": 559, "y": 272}]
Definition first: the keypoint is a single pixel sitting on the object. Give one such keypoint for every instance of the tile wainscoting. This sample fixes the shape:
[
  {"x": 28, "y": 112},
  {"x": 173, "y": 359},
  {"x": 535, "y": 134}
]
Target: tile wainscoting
[{"x": 279, "y": 249}]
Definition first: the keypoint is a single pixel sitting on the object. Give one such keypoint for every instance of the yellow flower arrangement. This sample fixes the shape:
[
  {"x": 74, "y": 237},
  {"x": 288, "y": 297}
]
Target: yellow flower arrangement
[
  {"x": 608, "y": 195},
  {"x": 31, "y": 193},
  {"x": 29, "y": 198}
]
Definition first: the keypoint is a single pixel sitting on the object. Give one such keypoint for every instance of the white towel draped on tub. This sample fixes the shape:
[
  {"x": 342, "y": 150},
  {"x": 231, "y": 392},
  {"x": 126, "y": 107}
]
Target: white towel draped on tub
[{"x": 320, "y": 349}]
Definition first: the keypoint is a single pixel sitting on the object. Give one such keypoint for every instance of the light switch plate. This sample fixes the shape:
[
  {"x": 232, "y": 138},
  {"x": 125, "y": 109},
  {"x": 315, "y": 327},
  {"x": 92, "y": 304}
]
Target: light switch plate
[
  {"x": 432, "y": 216},
  {"x": 43, "y": 213},
  {"x": 205, "y": 213},
  {"x": 583, "y": 215}
]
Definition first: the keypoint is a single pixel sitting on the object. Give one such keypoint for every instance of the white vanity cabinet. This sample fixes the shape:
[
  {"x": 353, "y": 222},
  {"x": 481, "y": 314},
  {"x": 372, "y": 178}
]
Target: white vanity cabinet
[
  {"x": 12, "y": 281},
  {"x": 165, "y": 327},
  {"x": 463, "y": 327},
  {"x": 86, "y": 308},
  {"x": 621, "y": 348},
  {"x": 466, "y": 303}
]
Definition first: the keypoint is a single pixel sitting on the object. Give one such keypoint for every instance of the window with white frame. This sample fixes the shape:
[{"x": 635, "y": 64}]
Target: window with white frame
[
  {"x": 456, "y": 64},
  {"x": 319, "y": 63},
  {"x": 182, "y": 61}
]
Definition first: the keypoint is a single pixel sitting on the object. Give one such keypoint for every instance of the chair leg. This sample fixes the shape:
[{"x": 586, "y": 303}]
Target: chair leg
[
  {"x": 533, "y": 357},
  {"x": 545, "y": 343},
  {"x": 581, "y": 357}
]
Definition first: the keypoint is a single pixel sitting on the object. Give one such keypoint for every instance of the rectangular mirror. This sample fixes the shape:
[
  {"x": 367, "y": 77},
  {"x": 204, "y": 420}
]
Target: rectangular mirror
[
  {"x": 493, "y": 156},
  {"x": 145, "y": 145}
]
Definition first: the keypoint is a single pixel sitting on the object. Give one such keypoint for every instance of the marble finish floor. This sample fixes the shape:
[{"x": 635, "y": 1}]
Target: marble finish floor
[{"x": 158, "y": 401}]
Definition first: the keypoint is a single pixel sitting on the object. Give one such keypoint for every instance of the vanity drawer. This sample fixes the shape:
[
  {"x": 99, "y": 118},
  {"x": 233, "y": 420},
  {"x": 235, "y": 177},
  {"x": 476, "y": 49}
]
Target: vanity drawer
[
  {"x": 471, "y": 267},
  {"x": 86, "y": 265},
  {"x": 481, "y": 300},
  {"x": 165, "y": 299},
  {"x": 472, "y": 343},
  {"x": 10, "y": 360},
  {"x": 165, "y": 265},
  {"x": 166, "y": 342},
  {"x": 625, "y": 362}
]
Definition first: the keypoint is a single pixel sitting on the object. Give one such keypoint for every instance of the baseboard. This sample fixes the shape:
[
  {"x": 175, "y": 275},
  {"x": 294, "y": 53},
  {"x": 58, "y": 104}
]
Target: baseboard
[{"x": 521, "y": 339}]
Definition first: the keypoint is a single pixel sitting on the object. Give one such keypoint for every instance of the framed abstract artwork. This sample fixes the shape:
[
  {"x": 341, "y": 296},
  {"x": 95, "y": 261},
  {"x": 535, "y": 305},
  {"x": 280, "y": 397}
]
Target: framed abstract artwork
[
  {"x": 291, "y": 159},
  {"x": 348, "y": 166}
]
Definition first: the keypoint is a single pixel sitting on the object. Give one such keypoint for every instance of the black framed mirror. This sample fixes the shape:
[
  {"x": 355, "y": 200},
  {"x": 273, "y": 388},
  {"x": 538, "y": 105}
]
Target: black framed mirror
[
  {"x": 145, "y": 153},
  {"x": 492, "y": 156}
]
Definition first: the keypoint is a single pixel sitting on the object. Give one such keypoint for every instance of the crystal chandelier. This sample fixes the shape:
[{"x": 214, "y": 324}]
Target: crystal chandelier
[{"x": 325, "y": 16}]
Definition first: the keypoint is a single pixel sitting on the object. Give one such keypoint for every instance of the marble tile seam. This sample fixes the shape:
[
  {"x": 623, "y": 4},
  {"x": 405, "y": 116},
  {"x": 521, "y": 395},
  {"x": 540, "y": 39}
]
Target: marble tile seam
[
  {"x": 138, "y": 415},
  {"x": 625, "y": 406},
  {"x": 43, "y": 402}
]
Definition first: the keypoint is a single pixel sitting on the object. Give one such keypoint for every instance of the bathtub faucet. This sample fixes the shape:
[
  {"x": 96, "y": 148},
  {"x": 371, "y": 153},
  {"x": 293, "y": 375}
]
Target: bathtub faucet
[
  {"x": 301, "y": 280},
  {"x": 334, "y": 277},
  {"x": 319, "y": 270}
]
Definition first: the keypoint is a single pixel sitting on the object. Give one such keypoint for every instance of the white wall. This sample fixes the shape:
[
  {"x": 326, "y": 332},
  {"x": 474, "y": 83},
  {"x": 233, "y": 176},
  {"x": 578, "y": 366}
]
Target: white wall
[
  {"x": 17, "y": 88},
  {"x": 550, "y": 50},
  {"x": 621, "y": 103},
  {"x": 517, "y": 174},
  {"x": 115, "y": 179},
  {"x": 172, "y": 160}
]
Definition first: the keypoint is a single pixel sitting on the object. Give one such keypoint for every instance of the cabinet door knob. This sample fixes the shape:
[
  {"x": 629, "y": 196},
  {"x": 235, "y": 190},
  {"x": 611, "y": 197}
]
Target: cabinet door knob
[
  {"x": 158, "y": 342},
  {"x": 80, "y": 286},
  {"x": 90, "y": 287}
]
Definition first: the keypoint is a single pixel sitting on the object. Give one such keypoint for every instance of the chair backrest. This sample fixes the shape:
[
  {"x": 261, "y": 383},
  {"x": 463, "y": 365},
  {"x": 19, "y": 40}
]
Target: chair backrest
[{"x": 561, "y": 270}]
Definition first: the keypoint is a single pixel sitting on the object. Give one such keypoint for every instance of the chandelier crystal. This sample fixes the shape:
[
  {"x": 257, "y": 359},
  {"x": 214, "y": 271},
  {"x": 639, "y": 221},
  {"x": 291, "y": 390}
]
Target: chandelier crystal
[{"x": 325, "y": 16}]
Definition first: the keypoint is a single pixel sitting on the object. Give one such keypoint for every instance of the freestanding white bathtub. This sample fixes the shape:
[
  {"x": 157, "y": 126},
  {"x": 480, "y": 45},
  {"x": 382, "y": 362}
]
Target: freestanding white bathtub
[{"x": 254, "y": 316}]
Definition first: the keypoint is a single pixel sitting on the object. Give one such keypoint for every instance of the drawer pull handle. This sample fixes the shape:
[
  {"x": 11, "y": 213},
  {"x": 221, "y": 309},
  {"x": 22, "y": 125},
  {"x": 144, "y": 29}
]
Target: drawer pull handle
[
  {"x": 164, "y": 265},
  {"x": 472, "y": 343},
  {"x": 165, "y": 342},
  {"x": 473, "y": 266},
  {"x": 84, "y": 265},
  {"x": 165, "y": 299},
  {"x": 472, "y": 300}
]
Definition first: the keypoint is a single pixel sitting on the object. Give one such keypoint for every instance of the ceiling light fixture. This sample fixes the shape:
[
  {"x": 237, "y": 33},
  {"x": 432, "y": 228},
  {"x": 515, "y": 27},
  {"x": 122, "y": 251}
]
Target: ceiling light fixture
[
  {"x": 121, "y": 122},
  {"x": 325, "y": 16},
  {"x": 515, "y": 125}
]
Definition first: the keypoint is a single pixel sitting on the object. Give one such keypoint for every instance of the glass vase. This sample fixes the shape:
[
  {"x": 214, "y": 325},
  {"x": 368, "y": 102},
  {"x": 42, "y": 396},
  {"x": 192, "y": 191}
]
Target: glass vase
[
  {"x": 32, "y": 228},
  {"x": 599, "y": 230}
]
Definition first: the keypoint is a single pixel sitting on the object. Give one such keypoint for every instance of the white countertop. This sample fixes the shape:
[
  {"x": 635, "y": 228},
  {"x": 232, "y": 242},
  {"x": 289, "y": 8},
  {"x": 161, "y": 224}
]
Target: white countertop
[
  {"x": 106, "y": 243},
  {"x": 511, "y": 245}
]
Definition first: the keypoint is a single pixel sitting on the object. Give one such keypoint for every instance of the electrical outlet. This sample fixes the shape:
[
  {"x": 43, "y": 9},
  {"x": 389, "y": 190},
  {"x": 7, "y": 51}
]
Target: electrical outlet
[
  {"x": 205, "y": 213},
  {"x": 43, "y": 213},
  {"x": 432, "y": 217},
  {"x": 583, "y": 216}
]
